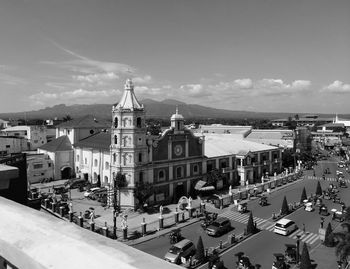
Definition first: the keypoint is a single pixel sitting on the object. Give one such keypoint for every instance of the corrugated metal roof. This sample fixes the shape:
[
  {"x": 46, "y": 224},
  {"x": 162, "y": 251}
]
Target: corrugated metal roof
[
  {"x": 225, "y": 144},
  {"x": 88, "y": 121},
  {"x": 61, "y": 143},
  {"x": 97, "y": 141}
]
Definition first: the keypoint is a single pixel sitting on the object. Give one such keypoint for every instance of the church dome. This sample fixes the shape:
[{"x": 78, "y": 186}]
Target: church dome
[{"x": 177, "y": 116}]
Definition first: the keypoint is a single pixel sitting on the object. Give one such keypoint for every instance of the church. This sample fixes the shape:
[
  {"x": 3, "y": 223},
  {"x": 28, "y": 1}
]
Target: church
[{"x": 173, "y": 162}]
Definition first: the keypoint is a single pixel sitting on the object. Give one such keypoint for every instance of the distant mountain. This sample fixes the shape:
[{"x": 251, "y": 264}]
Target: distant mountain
[{"x": 154, "y": 109}]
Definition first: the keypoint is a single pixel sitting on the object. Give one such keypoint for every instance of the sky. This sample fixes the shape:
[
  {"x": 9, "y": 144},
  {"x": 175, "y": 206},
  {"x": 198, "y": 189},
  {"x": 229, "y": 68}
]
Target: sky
[{"x": 254, "y": 55}]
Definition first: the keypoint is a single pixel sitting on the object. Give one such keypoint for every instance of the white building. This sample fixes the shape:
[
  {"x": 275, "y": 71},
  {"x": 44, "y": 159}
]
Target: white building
[
  {"x": 4, "y": 124},
  {"x": 13, "y": 144},
  {"x": 35, "y": 135},
  {"x": 61, "y": 153},
  {"x": 39, "y": 167}
]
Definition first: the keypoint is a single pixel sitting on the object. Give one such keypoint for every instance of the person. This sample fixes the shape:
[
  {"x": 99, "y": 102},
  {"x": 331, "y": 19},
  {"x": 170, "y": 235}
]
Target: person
[{"x": 304, "y": 227}]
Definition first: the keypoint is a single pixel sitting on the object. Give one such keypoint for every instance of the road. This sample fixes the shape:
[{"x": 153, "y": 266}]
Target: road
[{"x": 260, "y": 248}]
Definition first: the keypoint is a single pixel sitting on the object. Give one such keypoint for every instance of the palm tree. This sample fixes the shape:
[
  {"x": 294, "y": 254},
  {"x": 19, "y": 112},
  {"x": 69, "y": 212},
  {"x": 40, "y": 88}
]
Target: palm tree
[{"x": 342, "y": 248}]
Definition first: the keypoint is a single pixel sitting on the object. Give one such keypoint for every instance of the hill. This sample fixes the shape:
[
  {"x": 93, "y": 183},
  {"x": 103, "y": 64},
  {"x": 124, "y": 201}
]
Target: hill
[{"x": 154, "y": 109}]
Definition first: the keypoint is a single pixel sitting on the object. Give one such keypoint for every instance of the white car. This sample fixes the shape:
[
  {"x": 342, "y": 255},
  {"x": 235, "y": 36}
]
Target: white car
[
  {"x": 92, "y": 190},
  {"x": 285, "y": 227}
]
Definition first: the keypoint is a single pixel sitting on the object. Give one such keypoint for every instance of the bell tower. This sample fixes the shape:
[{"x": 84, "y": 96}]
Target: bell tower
[{"x": 128, "y": 142}]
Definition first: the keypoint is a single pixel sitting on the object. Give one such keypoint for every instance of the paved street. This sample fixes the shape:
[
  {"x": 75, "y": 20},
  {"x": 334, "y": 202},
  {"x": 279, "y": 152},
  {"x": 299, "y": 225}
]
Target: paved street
[{"x": 260, "y": 247}]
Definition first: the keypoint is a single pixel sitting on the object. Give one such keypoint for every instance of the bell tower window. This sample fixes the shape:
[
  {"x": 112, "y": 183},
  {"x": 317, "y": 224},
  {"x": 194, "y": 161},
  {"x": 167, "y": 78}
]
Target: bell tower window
[
  {"x": 138, "y": 122},
  {"x": 115, "y": 139},
  {"x": 115, "y": 122}
]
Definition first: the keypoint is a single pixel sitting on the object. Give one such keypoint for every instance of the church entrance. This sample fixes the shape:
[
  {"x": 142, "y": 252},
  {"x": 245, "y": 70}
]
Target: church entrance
[{"x": 179, "y": 191}]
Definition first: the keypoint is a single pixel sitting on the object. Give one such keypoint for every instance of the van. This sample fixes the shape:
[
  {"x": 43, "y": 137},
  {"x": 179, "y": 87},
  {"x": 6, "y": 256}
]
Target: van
[
  {"x": 219, "y": 226},
  {"x": 285, "y": 227},
  {"x": 182, "y": 249}
]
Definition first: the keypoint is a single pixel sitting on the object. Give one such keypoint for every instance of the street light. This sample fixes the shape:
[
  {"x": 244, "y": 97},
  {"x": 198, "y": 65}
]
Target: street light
[
  {"x": 298, "y": 246},
  {"x": 115, "y": 208}
]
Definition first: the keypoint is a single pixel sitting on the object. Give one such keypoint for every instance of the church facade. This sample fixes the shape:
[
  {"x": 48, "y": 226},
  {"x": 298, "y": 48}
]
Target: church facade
[{"x": 173, "y": 162}]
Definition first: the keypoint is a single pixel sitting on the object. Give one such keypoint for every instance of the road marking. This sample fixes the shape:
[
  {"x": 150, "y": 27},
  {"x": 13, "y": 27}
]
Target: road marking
[{"x": 242, "y": 218}]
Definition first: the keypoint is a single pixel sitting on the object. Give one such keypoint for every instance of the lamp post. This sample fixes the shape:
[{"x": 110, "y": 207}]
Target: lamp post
[
  {"x": 115, "y": 208},
  {"x": 298, "y": 246}
]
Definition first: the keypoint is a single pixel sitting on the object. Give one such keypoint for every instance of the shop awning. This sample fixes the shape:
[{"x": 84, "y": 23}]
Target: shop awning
[
  {"x": 200, "y": 184},
  {"x": 208, "y": 188}
]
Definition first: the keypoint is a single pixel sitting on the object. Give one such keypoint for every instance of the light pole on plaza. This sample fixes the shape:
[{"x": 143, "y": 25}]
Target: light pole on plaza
[{"x": 298, "y": 246}]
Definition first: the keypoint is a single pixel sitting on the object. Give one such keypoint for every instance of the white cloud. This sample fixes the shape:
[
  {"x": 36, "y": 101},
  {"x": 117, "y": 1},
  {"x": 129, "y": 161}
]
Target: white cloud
[
  {"x": 193, "y": 90},
  {"x": 96, "y": 78},
  {"x": 337, "y": 87},
  {"x": 142, "y": 80},
  {"x": 245, "y": 83},
  {"x": 269, "y": 86}
]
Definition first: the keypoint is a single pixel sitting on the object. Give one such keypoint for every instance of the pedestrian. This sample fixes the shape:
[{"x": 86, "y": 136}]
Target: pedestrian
[{"x": 304, "y": 227}]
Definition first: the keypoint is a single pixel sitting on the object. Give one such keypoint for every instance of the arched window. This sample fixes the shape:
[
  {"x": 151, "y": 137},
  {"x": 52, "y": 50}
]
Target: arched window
[
  {"x": 179, "y": 172},
  {"x": 77, "y": 157},
  {"x": 161, "y": 175},
  {"x": 140, "y": 157},
  {"x": 141, "y": 177},
  {"x": 116, "y": 139},
  {"x": 85, "y": 161},
  {"x": 114, "y": 157},
  {"x": 138, "y": 122},
  {"x": 95, "y": 162},
  {"x": 115, "y": 123},
  {"x": 106, "y": 165}
]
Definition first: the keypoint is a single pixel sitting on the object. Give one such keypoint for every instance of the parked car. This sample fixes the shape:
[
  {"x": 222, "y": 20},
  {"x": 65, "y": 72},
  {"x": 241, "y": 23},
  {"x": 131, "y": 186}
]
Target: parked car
[
  {"x": 285, "y": 227},
  {"x": 90, "y": 192},
  {"x": 219, "y": 226},
  {"x": 98, "y": 194},
  {"x": 184, "y": 248},
  {"x": 59, "y": 190}
]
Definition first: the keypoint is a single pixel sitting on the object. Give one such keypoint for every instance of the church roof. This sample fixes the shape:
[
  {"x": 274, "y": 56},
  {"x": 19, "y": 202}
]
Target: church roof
[
  {"x": 177, "y": 116},
  {"x": 225, "y": 144},
  {"x": 96, "y": 141},
  {"x": 88, "y": 121},
  {"x": 128, "y": 100},
  {"x": 61, "y": 143}
]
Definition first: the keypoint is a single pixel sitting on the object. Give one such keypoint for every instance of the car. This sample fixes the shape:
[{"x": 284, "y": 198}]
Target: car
[
  {"x": 59, "y": 190},
  {"x": 341, "y": 165},
  {"x": 98, "y": 194},
  {"x": 182, "y": 249},
  {"x": 284, "y": 226},
  {"x": 91, "y": 191},
  {"x": 219, "y": 226}
]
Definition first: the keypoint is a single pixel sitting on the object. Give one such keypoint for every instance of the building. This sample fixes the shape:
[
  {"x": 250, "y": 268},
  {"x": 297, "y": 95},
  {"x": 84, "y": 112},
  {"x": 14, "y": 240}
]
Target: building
[
  {"x": 306, "y": 120},
  {"x": 174, "y": 161},
  {"x": 80, "y": 128},
  {"x": 240, "y": 131},
  {"x": 35, "y": 135},
  {"x": 13, "y": 144},
  {"x": 282, "y": 138},
  {"x": 39, "y": 167},
  {"x": 4, "y": 124},
  {"x": 60, "y": 152}
]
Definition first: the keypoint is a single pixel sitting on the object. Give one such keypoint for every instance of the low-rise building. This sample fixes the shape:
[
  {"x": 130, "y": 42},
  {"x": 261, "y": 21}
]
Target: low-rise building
[
  {"x": 13, "y": 144},
  {"x": 35, "y": 135},
  {"x": 39, "y": 167},
  {"x": 282, "y": 138},
  {"x": 4, "y": 124}
]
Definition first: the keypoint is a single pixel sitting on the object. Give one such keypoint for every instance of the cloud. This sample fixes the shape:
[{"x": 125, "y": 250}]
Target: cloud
[
  {"x": 77, "y": 96},
  {"x": 245, "y": 83},
  {"x": 98, "y": 78},
  {"x": 142, "y": 80},
  {"x": 337, "y": 87},
  {"x": 270, "y": 86},
  {"x": 194, "y": 90}
]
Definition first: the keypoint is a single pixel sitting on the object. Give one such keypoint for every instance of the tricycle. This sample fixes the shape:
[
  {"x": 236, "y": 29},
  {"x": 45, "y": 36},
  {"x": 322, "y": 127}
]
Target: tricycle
[
  {"x": 263, "y": 201},
  {"x": 290, "y": 254},
  {"x": 208, "y": 219},
  {"x": 242, "y": 208},
  {"x": 279, "y": 262},
  {"x": 175, "y": 236},
  {"x": 323, "y": 210}
]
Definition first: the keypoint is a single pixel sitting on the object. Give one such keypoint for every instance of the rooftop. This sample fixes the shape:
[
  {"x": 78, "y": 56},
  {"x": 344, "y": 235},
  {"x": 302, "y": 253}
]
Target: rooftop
[
  {"x": 97, "y": 141},
  {"x": 128, "y": 100},
  {"x": 61, "y": 143},
  {"x": 17, "y": 128},
  {"x": 225, "y": 144},
  {"x": 88, "y": 121}
]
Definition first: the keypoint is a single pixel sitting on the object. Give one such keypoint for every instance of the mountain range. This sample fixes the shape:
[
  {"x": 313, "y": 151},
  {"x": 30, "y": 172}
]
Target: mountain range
[{"x": 154, "y": 109}]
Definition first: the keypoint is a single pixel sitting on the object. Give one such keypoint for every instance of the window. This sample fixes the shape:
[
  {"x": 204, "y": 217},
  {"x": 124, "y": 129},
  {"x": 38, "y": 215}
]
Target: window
[
  {"x": 138, "y": 122},
  {"x": 95, "y": 162},
  {"x": 106, "y": 165},
  {"x": 179, "y": 173},
  {"x": 115, "y": 122},
  {"x": 78, "y": 158},
  {"x": 141, "y": 177},
  {"x": 37, "y": 165},
  {"x": 195, "y": 169},
  {"x": 114, "y": 157},
  {"x": 140, "y": 157},
  {"x": 115, "y": 139},
  {"x": 85, "y": 161},
  {"x": 49, "y": 164},
  {"x": 68, "y": 132},
  {"x": 161, "y": 175},
  {"x": 8, "y": 146}
]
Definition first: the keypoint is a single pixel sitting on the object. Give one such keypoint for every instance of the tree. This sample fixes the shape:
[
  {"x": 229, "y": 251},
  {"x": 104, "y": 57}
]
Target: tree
[
  {"x": 342, "y": 249},
  {"x": 285, "y": 208},
  {"x": 213, "y": 177},
  {"x": 329, "y": 239},
  {"x": 119, "y": 182},
  {"x": 303, "y": 196},
  {"x": 200, "y": 255},
  {"x": 305, "y": 262},
  {"x": 251, "y": 229},
  {"x": 347, "y": 214},
  {"x": 67, "y": 118},
  {"x": 143, "y": 191},
  {"x": 319, "y": 189}
]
